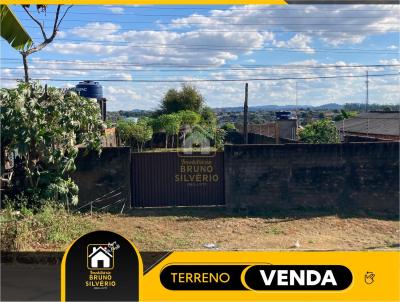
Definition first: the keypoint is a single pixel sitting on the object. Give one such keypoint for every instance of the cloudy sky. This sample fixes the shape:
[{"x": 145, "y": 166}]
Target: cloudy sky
[{"x": 139, "y": 52}]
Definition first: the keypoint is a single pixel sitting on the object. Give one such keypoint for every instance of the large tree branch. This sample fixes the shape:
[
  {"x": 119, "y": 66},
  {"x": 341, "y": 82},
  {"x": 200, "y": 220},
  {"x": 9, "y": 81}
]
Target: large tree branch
[
  {"x": 36, "y": 21},
  {"x": 47, "y": 40},
  {"x": 62, "y": 18},
  {"x": 55, "y": 27},
  {"x": 37, "y": 48}
]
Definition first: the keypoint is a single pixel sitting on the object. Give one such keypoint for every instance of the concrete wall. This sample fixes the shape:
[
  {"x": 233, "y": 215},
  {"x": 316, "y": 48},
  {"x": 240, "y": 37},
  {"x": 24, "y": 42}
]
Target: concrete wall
[
  {"x": 350, "y": 177},
  {"x": 99, "y": 175}
]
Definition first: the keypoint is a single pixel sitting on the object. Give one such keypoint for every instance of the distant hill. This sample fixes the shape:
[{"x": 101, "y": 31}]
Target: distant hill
[{"x": 330, "y": 106}]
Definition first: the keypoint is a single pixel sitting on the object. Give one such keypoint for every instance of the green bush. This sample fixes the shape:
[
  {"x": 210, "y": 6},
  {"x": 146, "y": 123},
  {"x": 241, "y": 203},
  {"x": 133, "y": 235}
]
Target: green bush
[
  {"x": 320, "y": 132},
  {"x": 43, "y": 127}
]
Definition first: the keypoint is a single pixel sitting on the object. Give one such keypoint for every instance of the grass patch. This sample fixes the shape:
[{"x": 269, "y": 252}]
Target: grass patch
[
  {"x": 274, "y": 231},
  {"x": 27, "y": 229}
]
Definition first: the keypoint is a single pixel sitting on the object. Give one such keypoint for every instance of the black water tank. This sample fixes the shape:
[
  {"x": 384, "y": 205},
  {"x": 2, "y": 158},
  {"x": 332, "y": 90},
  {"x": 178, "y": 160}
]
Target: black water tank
[
  {"x": 90, "y": 89},
  {"x": 283, "y": 115}
]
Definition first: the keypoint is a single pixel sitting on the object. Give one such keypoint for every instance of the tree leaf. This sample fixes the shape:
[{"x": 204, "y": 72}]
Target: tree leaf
[{"x": 12, "y": 30}]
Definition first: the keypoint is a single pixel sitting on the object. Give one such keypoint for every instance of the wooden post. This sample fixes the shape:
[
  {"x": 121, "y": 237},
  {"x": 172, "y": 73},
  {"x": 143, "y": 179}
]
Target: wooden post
[{"x": 245, "y": 114}]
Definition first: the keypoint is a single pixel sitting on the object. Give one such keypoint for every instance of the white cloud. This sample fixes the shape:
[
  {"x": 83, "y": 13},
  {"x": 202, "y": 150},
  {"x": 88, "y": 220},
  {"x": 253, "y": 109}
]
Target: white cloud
[
  {"x": 390, "y": 62},
  {"x": 96, "y": 30},
  {"x": 298, "y": 41},
  {"x": 219, "y": 38},
  {"x": 192, "y": 47},
  {"x": 115, "y": 9},
  {"x": 333, "y": 24}
]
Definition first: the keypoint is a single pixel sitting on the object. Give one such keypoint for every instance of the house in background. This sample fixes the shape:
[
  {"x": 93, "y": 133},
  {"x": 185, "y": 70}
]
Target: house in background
[
  {"x": 282, "y": 130},
  {"x": 371, "y": 126}
]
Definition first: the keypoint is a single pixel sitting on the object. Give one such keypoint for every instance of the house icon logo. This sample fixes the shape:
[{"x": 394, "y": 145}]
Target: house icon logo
[
  {"x": 100, "y": 257},
  {"x": 198, "y": 142}
]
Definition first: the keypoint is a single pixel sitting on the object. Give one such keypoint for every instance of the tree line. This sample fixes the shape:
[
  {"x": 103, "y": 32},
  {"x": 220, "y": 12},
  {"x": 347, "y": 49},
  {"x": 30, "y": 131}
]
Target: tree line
[{"x": 182, "y": 114}]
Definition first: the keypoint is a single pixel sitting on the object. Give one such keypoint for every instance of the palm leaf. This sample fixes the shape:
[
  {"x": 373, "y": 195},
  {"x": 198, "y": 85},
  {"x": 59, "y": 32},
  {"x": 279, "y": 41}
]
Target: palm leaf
[{"x": 12, "y": 30}]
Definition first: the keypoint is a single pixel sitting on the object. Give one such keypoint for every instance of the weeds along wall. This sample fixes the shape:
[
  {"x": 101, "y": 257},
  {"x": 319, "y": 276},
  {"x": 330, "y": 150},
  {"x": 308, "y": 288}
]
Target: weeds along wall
[{"x": 354, "y": 177}]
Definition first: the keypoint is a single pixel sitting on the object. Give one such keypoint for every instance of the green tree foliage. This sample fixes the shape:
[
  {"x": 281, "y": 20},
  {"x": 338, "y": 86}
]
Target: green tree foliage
[
  {"x": 137, "y": 133},
  {"x": 345, "y": 115},
  {"x": 188, "y": 98},
  {"x": 208, "y": 118},
  {"x": 359, "y": 107},
  {"x": 320, "y": 132},
  {"x": 124, "y": 128},
  {"x": 44, "y": 127},
  {"x": 229, "y": 127},
  {"x": 171, "y": 123},
  {"x": 12, "y": 30},
  {"x": 155, "y": 124},
  {"x": 220, "y": 138},
  {"x": 189, "y": 118},
  {"x": 142, "y": 132}
]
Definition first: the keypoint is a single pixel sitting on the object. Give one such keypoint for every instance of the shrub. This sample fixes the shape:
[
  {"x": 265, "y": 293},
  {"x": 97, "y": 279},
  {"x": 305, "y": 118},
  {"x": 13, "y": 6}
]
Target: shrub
[
  {"x": 320, "y": 132},
  {"x": 43, "y": 127}
]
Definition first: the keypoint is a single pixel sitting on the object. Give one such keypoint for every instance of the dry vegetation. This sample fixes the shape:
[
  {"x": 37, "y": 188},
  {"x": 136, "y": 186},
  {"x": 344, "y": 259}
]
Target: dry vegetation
[{"x": 167, "y": 229}]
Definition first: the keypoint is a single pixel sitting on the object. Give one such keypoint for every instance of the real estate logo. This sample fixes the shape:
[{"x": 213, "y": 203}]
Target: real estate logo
[
  {"x": 101, "y": 266},
  {"x": 100, "y": 262},
  {"x": 199, "y": 142},
  {"x": 100, "y": 256}
]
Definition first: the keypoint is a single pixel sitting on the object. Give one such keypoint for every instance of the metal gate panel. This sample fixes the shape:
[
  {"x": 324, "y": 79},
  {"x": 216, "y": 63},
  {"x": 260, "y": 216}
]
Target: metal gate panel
[{"x": 171, "y": 179}]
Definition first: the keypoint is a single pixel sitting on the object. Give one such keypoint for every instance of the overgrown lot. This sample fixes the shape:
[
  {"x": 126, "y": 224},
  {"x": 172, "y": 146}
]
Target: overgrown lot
[
  {"x": 202, "y": 228},
  {"x": 50, "y": 228}
]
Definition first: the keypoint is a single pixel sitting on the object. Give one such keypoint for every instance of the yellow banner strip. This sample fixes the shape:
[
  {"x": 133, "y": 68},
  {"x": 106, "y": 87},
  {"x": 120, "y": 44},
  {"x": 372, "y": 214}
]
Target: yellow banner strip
[{"x": 151, "y": 2}]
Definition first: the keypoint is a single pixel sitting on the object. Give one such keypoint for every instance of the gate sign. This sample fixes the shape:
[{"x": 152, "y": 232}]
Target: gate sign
[
  {"x": 162, "y": 179},
  {"x": 101, "y": 266}
]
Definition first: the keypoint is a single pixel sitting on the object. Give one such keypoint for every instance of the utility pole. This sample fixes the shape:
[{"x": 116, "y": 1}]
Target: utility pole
[
  {"x": 367, "y": 92},
  {"x": 294, "y": 136},
  {"x": 297, "y": 103},
  {"x": 245, "y": 114}
]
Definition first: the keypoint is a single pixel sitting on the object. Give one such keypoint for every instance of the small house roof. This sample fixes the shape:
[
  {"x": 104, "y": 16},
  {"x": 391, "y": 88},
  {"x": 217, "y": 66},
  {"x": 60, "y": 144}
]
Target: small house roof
[
  {"x": 95, "y": 251},
  {"x": 383, "y": 123}
]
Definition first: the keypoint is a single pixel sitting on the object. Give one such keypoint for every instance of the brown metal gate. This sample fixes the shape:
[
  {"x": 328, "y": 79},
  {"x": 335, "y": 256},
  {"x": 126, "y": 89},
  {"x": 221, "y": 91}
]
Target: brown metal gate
[{"x": 171, "y": 179}]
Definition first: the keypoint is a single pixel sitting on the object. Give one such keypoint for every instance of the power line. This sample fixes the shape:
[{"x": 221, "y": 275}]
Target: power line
[
  {"x": 230, "y": 8},
  {"x": 117, "y": 72},
  {"x": 214, "y": 16},
  {"x": 201, "y": 70},
  {"x": 238, "y": 67},
  {"x": 225, "y": 24},
  {"x": 228, "y": 48},
  {"x": 233, "y": 67},
  {"x": 210, "y": 80},
  {"x": 354, "y": 30},
  {"x": 222, "y": 47}
]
